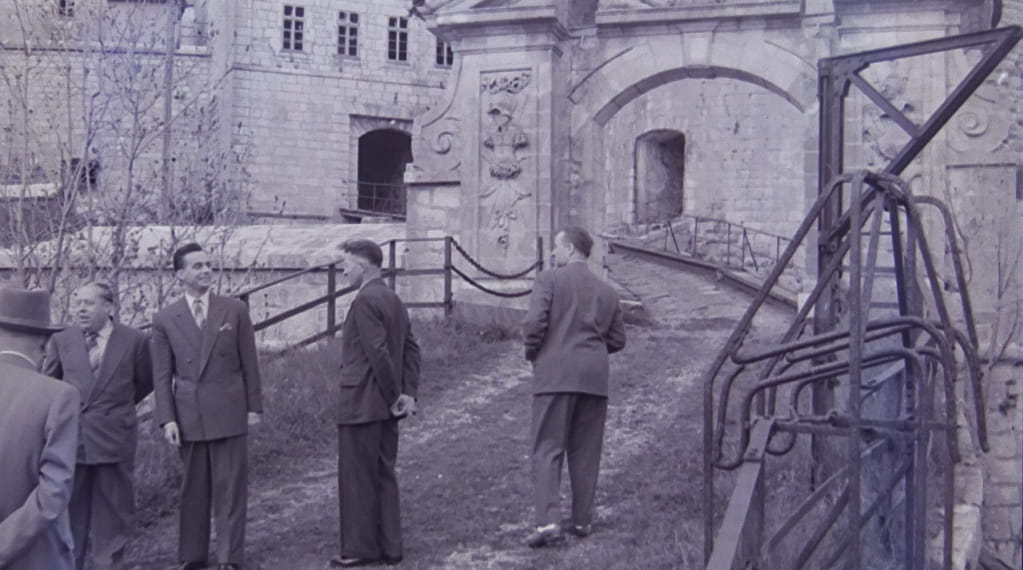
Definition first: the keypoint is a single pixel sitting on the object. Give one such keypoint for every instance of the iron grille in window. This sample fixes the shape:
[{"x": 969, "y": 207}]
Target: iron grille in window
[
  {"x": 294, "y": 27},
  {"x": 445, "y": 57},
  {"x": 66, "y": 8},
  {"x": 348, "y": 34},
  {"x": 397, "y": 39}
]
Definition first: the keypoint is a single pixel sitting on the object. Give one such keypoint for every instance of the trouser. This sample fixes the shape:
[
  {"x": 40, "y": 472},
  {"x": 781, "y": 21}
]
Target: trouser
[
  {"x": 101, "y": 509},
  {"x": 569, "y": 424},
  {"x": 215, "y": 475},
  {"x": 368, "y": 490}
]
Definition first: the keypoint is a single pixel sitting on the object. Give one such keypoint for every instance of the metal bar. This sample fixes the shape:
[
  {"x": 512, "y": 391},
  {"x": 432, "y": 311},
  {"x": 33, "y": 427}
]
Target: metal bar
[
  {"x": 819, "y": 493},
  {"x": 857, "y": 329},
  {"x": 829, "y": 521},
  {"x": 392, "y": 254},
  {"x": 738, "y": 541},
  {"x": 331, "y": 301},
  {"x": 895, "y": 114},
  {"x": 539, "y": 253},
  {"x": 1004, "y": 39},
  {"x": 447, "y": 275},
  {"x": 300, "y": 309},
  {"x": 728, "y": 245}
]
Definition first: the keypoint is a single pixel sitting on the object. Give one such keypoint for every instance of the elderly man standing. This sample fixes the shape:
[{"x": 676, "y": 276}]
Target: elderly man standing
[
  {"x": 109, "y": 364},
  {"x": 207, "y": 387},
  {"x": 379, "y": 379},
  {"x": 574, "y": 321},
  {"x": 38, "y": 440}
]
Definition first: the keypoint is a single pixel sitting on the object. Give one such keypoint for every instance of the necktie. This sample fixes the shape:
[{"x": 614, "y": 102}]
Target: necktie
[
  {"x": 95, "y": 356},
  {"x": 200, "y": 315}
]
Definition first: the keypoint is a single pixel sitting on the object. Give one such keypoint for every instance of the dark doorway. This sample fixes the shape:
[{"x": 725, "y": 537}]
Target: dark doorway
[
  {"x": 383, "y": 155},
  {"x": 659, "y": 175}
]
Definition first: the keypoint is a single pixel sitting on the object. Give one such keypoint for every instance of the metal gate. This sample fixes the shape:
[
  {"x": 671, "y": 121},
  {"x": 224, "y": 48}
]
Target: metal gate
[{"x": 860, "y": 389}]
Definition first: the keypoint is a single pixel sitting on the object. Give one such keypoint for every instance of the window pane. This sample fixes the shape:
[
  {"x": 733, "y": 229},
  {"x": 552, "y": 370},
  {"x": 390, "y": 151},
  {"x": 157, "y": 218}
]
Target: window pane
[
  {"x": 299, "y": 11},
  {"x": 354, "y": 18},
  {"x": 341, "y": 16},
  {"x": 402, "y": 23},
  {"x": 354, "y": 32},
  {"x": 287, "y": 10},
  {"x": 298, "y": 25},
  {"x": 392, "y": 22}
]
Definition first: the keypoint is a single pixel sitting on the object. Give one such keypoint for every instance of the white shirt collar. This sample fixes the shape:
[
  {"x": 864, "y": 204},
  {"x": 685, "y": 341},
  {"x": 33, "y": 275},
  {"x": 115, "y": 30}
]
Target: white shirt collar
[{"x": 190, "y": 299}]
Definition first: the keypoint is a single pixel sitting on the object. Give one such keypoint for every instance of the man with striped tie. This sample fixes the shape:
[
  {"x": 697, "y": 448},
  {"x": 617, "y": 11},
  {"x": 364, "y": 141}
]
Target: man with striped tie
[{"x": 207, "y": 386}]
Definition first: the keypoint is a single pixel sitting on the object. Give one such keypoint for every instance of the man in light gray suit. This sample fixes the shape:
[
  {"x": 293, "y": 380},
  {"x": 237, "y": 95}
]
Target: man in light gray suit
[
  {"x": 574, "y": 321},
  {"x": 38, "y": 440},
  {"x": 207, "y": 388},
  {"x": 109, "y": 364}
]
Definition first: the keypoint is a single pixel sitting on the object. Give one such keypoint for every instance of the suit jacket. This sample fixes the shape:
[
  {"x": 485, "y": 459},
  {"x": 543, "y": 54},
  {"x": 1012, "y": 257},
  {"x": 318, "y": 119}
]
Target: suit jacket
[
  {"x": 206, "y": 381},
  {"x": 108, "y": 428},
  {"x": 574, "y": 321},
  {"x": 38, "y": 440},
  {"x": 379, "y": 356}
]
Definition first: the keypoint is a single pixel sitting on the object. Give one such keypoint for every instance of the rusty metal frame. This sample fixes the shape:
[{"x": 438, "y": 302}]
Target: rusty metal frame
[{"x": 923, "y": 348}]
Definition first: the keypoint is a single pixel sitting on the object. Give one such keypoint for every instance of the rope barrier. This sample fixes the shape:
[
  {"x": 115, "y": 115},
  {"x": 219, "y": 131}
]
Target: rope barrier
[
  {"x": 485, "y": 289},
  {"x": 494, "y": 274}
]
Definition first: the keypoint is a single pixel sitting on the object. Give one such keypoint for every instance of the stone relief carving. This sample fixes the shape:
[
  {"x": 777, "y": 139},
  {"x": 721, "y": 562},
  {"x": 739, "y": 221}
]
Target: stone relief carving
[
  {"x": 503, "y": 95},
  {"x": 982, "y": 126},
  {"x": 437, "y": 140},
  {"x": 881, "y": 135}
]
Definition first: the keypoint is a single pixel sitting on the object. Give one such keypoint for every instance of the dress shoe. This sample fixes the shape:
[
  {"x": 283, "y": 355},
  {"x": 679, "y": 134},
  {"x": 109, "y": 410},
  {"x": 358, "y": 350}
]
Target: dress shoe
[
  {"x": 547, "y": 535},
  {"x": 579, "y": 530},
  {"x": 346, "y": 562},
  {"x": 192, "y": 565}
]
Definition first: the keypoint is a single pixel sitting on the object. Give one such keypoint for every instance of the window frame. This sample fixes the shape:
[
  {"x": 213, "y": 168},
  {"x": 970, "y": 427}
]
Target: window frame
[
  {"x": 293, "y": 28},
  {"x": 446, "y": 58},
  {"x": 397, "y": 39},
  {"x": 348, "y": 34}
]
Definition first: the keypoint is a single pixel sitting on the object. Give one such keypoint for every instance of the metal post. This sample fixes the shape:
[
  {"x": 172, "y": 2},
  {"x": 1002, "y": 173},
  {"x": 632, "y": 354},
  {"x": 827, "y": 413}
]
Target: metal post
[
  {"x": 447, "y": 275},
  {"x": 728, "y": 245},
  {"x": 539, "y": 253},
  {"x": 392, "y": 251},
  {"x": 331, "y": 300}
]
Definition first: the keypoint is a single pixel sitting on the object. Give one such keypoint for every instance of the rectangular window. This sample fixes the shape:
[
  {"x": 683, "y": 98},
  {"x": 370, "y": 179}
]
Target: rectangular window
[
  {"x": 397, "y": 39},
  {"x": 445, "y": 57},
  {"x": 348, "y": 34},
  {"x": 66, "y": 8},
  {"x": 294, "y": 27}
]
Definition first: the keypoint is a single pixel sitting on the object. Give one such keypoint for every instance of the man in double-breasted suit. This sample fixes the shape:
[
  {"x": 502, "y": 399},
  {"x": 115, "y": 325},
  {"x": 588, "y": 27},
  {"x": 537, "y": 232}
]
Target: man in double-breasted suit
[
  {"x": 574, "y": 321},
  {"x": 207, "y": 388},
  {"x": 379, "y": 380},
  {"x": 38, "y": 440},
  {"x": 109, "y": 365}
]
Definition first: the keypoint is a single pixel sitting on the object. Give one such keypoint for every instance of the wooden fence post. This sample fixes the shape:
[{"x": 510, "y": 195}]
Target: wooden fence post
[
  {"x": 447, "y": 275},
  {"x": 331, "y": 300}
]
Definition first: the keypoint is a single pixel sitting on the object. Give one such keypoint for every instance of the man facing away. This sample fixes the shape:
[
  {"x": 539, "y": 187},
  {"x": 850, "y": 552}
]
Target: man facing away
[
  {"x": 207, "y": 388},
  {"x": 109, "y": 365},
  {"x": 379, "y": 379},
  {"x": 38, "y": 440},
  {"x": 574, "y": 321}
]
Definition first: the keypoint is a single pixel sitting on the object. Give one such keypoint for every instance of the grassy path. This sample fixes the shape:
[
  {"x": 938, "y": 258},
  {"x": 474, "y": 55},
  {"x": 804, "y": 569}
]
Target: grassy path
[{"x": 463, "y": 462}]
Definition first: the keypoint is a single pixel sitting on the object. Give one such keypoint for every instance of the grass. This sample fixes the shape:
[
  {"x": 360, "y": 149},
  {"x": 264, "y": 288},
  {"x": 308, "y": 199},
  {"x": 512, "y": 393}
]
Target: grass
[{"x": 463, "y": 463}]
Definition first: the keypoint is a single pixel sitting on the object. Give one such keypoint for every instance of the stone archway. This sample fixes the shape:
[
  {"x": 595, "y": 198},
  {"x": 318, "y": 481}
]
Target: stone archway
[{"x": 658, "y": 62}]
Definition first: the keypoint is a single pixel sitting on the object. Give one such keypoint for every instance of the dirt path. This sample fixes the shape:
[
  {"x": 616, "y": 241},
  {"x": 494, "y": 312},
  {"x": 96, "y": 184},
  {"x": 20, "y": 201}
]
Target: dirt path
[{"x": 463, "y": 462}]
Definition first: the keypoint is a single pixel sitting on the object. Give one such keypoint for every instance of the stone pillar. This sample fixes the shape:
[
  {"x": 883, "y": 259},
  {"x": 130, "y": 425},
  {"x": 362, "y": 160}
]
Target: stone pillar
[{"x": 488, "y": 154}]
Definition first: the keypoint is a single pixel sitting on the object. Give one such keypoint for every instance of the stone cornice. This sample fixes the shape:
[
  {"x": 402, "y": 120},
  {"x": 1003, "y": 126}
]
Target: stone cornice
[
  {"x": 536, "y": 22},
  {"x": 700, "y": 11}
]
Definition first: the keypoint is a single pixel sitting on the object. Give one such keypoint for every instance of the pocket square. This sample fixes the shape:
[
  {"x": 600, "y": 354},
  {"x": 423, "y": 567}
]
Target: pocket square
[{"x": 225, "y": 327}]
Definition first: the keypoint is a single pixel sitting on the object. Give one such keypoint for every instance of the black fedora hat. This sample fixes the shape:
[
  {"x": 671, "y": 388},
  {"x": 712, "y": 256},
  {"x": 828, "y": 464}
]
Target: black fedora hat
[{"x": 26, "y": 310}]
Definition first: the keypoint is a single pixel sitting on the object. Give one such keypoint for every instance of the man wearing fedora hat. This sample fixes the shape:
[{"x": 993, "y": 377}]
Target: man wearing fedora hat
[
  {"x": 109, "y": 364},
  {"x": 38, "y": 440}
]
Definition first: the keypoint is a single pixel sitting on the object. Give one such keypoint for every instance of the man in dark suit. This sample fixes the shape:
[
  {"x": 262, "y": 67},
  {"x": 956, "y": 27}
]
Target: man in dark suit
[
  {"x": 109, "y": 365},
  {"x": 38, "y": 440},
  {"x": 574, "y": 321},
  {"x": 207, "y": 387},
  {"x": 379, "y": 378}
]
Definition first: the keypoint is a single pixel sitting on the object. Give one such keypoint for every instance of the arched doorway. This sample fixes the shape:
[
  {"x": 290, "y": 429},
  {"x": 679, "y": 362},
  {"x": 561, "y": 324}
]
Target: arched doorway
[
  {"x": 659, "y": 171},
  {"x": 383, "y": 155}
]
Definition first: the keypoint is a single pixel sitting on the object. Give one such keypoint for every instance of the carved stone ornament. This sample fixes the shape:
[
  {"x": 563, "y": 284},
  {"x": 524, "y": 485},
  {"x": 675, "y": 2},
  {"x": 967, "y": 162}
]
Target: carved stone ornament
[
  {"x": 983, "y": 125},
  {"x": 501, "y": 140}
]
